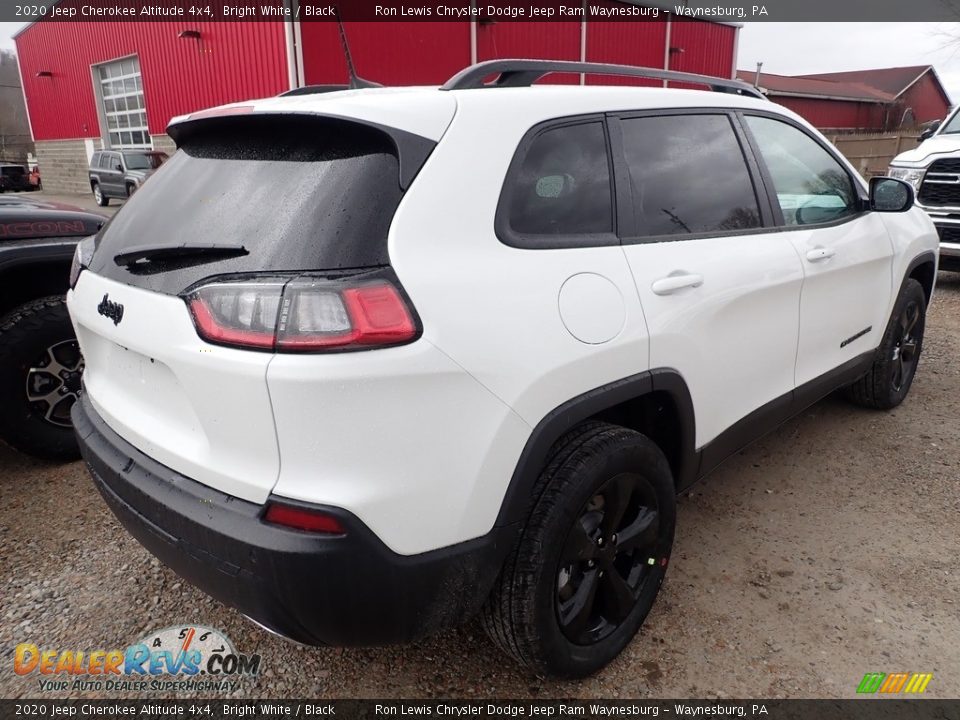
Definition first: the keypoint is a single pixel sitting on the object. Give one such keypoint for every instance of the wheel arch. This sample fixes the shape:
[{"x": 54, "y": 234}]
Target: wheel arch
[
  {"x": 656, "y": 403},
  {"x": 923, "y": 269},
  {"x": 21, "y": 282}
]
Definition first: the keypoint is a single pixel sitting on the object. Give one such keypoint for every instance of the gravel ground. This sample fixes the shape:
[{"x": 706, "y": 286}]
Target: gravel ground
[{"x": 824, "y": 551}]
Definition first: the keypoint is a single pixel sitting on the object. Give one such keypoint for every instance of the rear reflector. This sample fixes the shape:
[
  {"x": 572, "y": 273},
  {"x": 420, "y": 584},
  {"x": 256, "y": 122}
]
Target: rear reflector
[
  {"x": 303, "y": 519},
  {"x": 304, "y": 314}
]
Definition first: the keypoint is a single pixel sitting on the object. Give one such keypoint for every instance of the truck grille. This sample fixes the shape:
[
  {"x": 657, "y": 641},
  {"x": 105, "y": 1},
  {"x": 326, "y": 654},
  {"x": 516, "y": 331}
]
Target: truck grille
[
  {"x": 948, "y": 234},
  {"x": 941, "y": 184}
]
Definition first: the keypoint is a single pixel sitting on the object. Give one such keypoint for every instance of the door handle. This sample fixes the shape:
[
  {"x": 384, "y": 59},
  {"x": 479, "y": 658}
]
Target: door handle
[
  {"x": 672, "y": 283},
  {"x": 820, "y": 253}
]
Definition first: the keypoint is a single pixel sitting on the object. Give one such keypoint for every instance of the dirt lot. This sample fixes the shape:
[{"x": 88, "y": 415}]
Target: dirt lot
[{"x": 826, "y": 550}]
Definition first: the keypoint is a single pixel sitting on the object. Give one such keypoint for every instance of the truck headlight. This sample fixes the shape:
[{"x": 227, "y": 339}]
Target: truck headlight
[{"x": 914, "y": 176}]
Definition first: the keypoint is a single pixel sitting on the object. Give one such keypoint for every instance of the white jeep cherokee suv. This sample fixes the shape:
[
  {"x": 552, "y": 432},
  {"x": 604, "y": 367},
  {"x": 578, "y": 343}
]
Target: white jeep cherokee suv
[{"x": 362, "y": 364}]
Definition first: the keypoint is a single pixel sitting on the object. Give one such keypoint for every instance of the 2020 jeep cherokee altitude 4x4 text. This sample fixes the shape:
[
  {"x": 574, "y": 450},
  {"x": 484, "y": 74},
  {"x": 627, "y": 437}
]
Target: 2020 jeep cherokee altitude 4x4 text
[{"x": 364, "y": 363}]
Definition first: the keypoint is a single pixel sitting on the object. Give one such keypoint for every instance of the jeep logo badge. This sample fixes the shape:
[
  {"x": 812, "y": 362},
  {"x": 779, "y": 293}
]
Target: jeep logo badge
[{"x": 110, "y": 309}]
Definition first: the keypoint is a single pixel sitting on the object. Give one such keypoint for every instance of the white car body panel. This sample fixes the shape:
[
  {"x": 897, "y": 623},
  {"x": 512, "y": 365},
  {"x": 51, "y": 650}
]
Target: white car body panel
[
  {"x": 844, "y": 294},
  {"x": 200, "y": 409},
  {"x": 737, "y": 331}
]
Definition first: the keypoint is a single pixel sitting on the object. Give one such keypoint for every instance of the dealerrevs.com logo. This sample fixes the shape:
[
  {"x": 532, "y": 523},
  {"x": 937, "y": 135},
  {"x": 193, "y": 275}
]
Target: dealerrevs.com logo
[{"x": 185, "y": 658}]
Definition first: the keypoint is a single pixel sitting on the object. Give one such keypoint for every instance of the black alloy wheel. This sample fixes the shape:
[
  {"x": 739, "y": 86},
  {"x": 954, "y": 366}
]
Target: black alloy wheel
[{"x": 611, "y": 551}]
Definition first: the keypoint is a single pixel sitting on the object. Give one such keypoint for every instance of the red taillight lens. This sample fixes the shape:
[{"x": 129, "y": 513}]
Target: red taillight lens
[
  {"x": 303, "y": 315},
  {"x": 304, "y": 519}
]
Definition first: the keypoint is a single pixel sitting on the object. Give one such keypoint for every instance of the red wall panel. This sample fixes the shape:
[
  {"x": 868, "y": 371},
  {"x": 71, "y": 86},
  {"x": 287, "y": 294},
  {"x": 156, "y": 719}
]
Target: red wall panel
[
  {"x": 230, "y": 62},
  {"x": 391, "y": 53},
  {"x": 626, "y": 43},
  {"x": 836, "y": 114},
  {"x": 702, "y": 47},
  {"x": 925, "y": 99},
  {"x": 540, "y": 40}
]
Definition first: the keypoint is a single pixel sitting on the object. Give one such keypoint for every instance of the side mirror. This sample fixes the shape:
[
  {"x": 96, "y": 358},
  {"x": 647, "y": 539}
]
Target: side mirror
[
  {"x": 929, "y": 131},
  {"x": 118, "y": 167},
  {"x": 890, "y": 195}
]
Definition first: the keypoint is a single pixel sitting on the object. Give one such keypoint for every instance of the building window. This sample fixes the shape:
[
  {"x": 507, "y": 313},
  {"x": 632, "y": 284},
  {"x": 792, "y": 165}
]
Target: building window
[{"x": 121, "y": 95}]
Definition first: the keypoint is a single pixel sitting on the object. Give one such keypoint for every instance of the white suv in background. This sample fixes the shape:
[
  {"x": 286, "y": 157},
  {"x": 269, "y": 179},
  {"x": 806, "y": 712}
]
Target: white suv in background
[{"x": 365, "y": 363}]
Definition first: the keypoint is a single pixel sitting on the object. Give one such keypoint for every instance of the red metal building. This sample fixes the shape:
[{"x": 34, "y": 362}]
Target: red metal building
[
  {"x": 96, "y": 84},
  {"x": 866, "y": 100}
]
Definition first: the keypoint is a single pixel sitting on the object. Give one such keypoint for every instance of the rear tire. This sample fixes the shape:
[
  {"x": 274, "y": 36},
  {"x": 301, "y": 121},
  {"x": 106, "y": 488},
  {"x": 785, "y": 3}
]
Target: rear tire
[
  {"x": 591, "y": 558},
  {"x": 39, "y": 357},
  {"x": 895, "y": 364},
  {"x": 102, "y": 200}
]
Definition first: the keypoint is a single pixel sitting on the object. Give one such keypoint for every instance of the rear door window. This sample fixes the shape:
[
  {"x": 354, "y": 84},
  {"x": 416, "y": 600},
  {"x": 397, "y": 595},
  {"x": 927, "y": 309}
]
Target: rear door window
[
  {"x": 561, "y": 188},
  {"x": 688, "y": 176}
]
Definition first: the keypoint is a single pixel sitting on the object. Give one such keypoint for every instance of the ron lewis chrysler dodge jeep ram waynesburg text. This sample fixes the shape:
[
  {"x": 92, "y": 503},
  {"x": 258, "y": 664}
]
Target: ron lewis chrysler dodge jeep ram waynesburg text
[{"x": 364, "y": 363}]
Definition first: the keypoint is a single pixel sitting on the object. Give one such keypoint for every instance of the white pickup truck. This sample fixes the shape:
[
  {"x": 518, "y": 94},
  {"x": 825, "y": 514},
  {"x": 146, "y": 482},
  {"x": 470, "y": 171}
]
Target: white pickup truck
[{"x": 933, "y": 169}]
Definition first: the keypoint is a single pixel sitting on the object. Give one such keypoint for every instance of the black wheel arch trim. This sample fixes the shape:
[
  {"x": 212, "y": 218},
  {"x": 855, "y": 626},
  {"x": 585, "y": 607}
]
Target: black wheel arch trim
[
  {"x": 927, "y": 256},
  {"x": 552, "y": 427}
]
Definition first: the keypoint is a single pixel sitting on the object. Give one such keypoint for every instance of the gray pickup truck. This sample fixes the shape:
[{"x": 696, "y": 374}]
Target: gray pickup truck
[{"x": 118, "y": 173}]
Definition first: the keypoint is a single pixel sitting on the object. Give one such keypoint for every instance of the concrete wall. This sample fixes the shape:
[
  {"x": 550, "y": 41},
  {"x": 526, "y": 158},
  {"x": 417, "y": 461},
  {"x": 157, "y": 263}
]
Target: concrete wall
[{"x": 63, "y": 163}]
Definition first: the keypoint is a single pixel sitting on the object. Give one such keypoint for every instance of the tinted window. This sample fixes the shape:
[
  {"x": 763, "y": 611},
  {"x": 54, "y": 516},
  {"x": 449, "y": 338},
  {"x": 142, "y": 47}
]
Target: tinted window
[
  {"x": 811, "y": 186},
  {"x": 137, "y": 161},
  {"x": 562, "y": 187},
  {"x": 95, "y": 160},
  {"x": 688, "y": 175},
  {"x": 298, "y": 193}
]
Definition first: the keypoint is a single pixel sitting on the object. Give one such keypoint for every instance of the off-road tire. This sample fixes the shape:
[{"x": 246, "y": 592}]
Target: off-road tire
[
  {"x": 878, "y": 389},
  {"x": 25, "y": 334},
  {"x": 521, "y": 615}
]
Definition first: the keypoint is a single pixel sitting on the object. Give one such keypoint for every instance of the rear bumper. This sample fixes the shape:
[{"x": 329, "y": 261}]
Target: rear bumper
[{"x": 345, "y": 590}]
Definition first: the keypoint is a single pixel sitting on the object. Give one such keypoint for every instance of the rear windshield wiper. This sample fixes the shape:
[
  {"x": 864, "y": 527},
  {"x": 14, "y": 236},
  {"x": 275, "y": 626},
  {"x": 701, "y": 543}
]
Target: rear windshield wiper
[{"x": 148, "y": 253}]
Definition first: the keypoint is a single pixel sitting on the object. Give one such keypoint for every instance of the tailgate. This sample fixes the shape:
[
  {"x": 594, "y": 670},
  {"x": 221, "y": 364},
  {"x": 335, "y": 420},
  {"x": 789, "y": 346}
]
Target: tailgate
[{"x": 199, "y": 409}]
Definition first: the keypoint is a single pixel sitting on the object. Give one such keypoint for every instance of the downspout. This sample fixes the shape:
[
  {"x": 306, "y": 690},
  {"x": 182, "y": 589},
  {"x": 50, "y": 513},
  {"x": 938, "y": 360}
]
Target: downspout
[{"x": 666, "y": 47}]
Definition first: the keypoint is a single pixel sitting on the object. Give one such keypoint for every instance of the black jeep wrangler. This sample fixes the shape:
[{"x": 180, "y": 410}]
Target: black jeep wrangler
[{"x": 40, "y": 361}]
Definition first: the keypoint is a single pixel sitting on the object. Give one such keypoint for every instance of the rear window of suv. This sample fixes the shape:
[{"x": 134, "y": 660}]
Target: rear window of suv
[{"x": 298, "y": 193}]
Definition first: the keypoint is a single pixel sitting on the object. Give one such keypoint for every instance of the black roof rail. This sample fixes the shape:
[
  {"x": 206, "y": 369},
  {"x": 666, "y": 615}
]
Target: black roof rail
[
  {"x": 523, "y": 73},
  {"x": 313, "y": 90}
]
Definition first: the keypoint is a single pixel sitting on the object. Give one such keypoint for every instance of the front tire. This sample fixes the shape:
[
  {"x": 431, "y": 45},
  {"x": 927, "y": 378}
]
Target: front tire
[
  {"x": 40, "y": 368},
  {"x": 592, "y": 556},
  {"x": 895, "y": 363}
]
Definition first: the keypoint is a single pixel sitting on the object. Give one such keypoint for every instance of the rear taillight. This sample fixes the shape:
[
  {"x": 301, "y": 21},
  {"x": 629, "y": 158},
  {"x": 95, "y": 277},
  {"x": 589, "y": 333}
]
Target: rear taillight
[
  {"x": 306, "y": 519},
  {"x": 304, "y": 314}
]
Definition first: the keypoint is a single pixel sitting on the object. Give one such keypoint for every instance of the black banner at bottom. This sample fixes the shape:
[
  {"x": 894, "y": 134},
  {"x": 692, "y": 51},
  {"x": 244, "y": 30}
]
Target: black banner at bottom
[{"x": 858, "y": 709}]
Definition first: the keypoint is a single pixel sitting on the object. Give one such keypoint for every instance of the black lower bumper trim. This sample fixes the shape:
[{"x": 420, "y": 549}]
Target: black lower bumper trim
[{"x": 319, "y": 590}]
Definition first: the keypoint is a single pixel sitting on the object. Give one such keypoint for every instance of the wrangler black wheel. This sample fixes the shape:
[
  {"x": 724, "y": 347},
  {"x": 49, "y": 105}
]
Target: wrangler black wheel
[
  {"x": 40, "y": 370},
  {"x": 592, "y": 556}
]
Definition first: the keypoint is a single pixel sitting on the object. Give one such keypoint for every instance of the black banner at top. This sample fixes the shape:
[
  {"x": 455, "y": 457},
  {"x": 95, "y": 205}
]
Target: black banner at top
[{"x": 483, "y": 11}]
